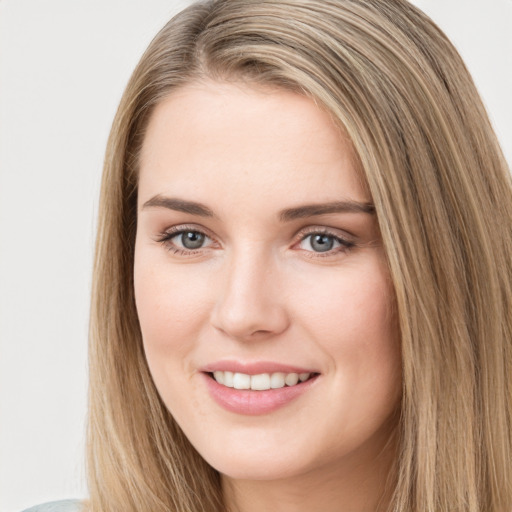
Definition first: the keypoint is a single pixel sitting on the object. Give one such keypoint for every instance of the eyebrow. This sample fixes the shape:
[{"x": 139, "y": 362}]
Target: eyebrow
[
  {"x": 310, "y": 210},
  {"x": 287, "y": 215},
  {"x": 179, "y": 205}
]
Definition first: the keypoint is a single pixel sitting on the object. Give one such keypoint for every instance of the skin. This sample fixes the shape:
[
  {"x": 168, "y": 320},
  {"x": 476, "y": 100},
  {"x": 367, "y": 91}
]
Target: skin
[{"x": 258, "y": 290}]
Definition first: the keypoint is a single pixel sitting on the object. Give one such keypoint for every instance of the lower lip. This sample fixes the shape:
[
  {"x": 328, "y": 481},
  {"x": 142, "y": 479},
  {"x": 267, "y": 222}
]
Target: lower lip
[{"x": 249, "y": 402}]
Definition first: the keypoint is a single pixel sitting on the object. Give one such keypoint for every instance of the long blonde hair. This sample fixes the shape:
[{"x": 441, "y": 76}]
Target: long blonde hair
[{"x": 443, "y": 198}]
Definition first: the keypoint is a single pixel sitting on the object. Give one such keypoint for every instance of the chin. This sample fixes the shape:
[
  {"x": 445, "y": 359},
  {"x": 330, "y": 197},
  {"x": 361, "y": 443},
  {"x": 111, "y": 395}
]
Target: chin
[
  {"x": 273, "y": 451},
  {"x": 257, "y": 468}
]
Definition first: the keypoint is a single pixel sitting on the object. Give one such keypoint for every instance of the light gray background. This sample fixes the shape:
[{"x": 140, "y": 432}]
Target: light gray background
[{"x": 63, "y": 66}]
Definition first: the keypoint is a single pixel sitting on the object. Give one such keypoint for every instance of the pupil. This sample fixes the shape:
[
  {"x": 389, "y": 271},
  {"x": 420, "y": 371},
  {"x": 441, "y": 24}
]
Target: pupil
[
  {"x": 322, "y": 243},
  {"x": 192, "y": 239}
]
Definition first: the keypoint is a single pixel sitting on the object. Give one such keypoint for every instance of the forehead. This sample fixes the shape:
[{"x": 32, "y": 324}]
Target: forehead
[{"x": 246, "y": 138}]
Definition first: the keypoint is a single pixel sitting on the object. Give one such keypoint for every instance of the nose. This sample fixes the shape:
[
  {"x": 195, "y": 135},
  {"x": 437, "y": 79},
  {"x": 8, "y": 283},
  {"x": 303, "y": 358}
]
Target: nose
[{"x": 250, "y": 304}]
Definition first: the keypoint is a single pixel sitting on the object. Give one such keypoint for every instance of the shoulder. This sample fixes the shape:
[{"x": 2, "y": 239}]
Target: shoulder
[{"x": 57, "y": 506}]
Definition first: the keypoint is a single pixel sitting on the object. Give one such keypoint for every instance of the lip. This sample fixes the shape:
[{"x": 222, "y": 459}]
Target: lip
[
  {"x": 254, "y": 368},
  {"x": 249, "y": 402}
]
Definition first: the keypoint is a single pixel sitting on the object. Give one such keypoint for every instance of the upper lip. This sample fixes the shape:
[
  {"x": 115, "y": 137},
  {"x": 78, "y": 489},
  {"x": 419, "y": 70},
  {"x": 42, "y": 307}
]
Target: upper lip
[{"x": 254, "y": 368}]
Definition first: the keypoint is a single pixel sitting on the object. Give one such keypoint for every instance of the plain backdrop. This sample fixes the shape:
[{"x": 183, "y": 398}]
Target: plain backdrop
[{"x": 63, "y": 67}]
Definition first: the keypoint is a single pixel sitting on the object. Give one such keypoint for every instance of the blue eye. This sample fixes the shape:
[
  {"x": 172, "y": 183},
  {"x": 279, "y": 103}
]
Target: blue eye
[
  {"x": 184, "y": 240},
  {"x": 323, "y": 243},
  {"x": 190, "y": 239}
]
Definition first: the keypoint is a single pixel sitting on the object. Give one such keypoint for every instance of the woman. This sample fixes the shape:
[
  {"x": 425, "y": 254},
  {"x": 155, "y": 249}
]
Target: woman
[{"x": 303, "y": 277}]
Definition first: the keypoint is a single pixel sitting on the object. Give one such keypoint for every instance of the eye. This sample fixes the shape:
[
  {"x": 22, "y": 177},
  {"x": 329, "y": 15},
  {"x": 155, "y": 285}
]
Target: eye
[
  {"x": 189, "y": 239},
  {"x": 183, "y": 241},
  {"x": 324, "y": 243}
]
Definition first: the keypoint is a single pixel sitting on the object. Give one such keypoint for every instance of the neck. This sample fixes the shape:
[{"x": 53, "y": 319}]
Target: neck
[{"x": 346, "y": 486}]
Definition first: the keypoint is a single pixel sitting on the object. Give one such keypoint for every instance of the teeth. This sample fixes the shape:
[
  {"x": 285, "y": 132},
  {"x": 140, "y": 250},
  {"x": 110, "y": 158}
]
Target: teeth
[
  {"x": 228, "y": 379},
  {"x": 277, "y": 380},
  {"x": 291, "y": 379},
  {"x": 260, "y": 382},
  {"x": 241, "y": 381}
]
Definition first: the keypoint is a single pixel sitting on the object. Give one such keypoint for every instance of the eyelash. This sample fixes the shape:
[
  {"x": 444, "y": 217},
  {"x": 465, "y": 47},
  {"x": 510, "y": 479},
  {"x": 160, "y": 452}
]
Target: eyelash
[
  {"x": 345, "y": 245},
  {"x": 166, "y": 237}
]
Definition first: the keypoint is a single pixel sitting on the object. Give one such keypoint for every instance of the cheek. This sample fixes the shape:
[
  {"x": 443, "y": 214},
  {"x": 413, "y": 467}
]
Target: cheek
[
  {"x": 171, "y": 309},
  {"x": 348, "y": 304},
  {"x": 351, "y": 316}
]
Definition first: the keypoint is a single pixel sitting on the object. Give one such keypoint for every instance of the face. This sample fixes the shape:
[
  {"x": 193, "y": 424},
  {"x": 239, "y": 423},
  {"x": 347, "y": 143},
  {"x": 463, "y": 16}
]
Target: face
[{"x": 261, "y": 286}]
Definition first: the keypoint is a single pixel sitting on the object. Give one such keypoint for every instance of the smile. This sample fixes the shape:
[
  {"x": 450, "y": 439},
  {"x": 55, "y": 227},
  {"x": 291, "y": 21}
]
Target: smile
[
  {"x": 260, "y": 382},
  {"x": 256, "y": 393}
]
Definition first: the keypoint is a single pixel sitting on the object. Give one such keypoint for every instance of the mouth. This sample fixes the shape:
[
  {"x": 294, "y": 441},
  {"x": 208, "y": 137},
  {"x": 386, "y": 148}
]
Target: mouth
[
  {"x": 255, "y": 388},
  {"x": 261, "y": 381}
]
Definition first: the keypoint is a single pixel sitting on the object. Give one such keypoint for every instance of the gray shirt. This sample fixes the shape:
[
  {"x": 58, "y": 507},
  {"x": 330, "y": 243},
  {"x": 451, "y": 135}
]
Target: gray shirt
[{"x": 57, "y": 506}]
